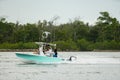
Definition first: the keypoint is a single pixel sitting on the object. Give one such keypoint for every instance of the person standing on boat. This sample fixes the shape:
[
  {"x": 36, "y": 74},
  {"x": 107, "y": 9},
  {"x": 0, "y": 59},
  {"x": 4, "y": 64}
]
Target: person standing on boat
[
  {"x": 55, "y": 52},
  {"x": 48, "y": 51}
]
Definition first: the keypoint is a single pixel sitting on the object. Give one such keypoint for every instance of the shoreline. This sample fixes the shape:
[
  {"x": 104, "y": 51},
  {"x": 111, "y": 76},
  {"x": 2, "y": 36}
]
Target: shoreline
[
  {"x": 17, "y": 50},
  {"x": 32, "y": 50}
]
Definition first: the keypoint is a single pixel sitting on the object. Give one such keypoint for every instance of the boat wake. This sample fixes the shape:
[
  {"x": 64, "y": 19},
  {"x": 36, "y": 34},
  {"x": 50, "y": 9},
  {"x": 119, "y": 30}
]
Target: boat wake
[{"x": 95, "y": 60}]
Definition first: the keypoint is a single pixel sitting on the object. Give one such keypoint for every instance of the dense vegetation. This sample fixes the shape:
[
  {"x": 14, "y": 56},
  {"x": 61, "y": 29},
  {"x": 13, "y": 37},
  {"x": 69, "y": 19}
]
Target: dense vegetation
[{"x": 74, "y": 35}]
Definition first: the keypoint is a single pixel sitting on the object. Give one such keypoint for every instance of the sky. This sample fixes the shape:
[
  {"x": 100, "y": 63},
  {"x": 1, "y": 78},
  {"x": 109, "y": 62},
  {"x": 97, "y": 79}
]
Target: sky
[{"x": 31, "y": 11}]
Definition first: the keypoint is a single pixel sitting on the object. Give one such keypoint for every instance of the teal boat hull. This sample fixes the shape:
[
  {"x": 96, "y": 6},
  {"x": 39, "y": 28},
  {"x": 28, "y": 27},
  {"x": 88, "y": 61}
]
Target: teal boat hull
[{"x": 38, "y": 58}]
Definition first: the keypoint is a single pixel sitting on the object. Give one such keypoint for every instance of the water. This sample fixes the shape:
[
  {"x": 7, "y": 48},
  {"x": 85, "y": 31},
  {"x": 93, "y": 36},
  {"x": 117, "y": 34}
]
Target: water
[{"x": 89, "y": 66}]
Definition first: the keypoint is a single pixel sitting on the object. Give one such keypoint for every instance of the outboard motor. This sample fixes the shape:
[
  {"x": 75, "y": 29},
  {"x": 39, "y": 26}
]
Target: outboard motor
[{"x": 72, "y": 58}]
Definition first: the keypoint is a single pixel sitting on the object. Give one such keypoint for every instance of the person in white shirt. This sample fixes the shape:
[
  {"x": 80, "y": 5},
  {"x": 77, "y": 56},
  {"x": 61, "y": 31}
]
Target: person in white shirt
[{"x": 48, "y": 51}]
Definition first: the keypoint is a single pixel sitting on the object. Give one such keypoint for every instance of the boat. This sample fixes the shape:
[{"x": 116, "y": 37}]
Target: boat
[
  {"x": 31, "y": 58},
  {"x": 42, "y": 58}
]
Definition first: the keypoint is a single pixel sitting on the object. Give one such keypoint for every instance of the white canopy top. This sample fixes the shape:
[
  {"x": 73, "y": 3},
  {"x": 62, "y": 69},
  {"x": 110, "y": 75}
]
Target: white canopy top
[{"x": 43, "y": 43}]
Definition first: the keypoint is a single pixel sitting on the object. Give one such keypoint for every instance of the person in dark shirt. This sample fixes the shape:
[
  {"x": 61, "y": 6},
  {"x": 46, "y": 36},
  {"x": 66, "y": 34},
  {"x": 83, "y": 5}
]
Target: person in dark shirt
[{"x": 55, "y": 52}]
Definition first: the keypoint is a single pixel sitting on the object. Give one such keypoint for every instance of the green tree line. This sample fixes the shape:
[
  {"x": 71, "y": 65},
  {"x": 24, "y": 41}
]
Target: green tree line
[{"x": 72, "y": 36}]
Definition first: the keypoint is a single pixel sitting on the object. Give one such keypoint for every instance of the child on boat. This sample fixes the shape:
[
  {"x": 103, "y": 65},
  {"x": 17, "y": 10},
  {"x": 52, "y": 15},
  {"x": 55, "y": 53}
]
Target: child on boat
[{"x": 36, "y": 51}]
